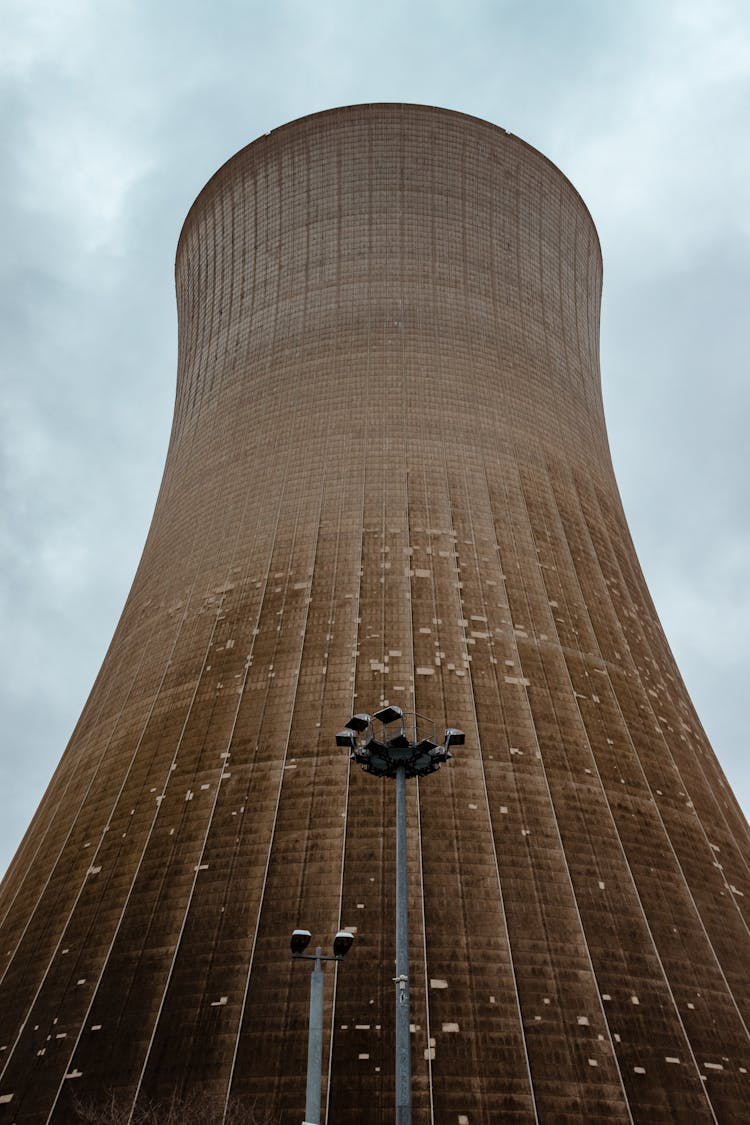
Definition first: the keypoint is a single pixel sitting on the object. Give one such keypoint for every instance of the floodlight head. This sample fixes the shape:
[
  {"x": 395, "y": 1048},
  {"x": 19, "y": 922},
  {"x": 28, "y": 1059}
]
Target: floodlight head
[
  {"x": 454, "y": 737},
  {"x": 359, "y": 723},
  {"x": 346, "y": 738},
  {"x": 400, "y": 742},
  {"x": 300, "y": 941},
  {"x": 342, "y": 943},
  {"x": 425, "y": 746},
  {"x": 388, "y": 715}
]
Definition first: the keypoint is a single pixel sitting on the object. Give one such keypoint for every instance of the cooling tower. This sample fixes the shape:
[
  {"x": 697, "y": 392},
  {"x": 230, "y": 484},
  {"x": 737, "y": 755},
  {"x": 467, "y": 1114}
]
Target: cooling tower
[{"x": 388, "y": 482}]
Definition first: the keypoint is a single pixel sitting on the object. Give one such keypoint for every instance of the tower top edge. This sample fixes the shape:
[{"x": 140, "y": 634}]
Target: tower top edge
[{"x": 358, "y": 108}]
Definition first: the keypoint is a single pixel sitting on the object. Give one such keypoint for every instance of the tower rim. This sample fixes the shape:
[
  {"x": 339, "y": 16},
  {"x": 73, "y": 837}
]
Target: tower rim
[{"x": 220, "y": 172}]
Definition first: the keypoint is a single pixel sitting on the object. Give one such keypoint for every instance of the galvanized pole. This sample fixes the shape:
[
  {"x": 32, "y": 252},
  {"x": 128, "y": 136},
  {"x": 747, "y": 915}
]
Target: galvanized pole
[
  {"x": 315, "y": 1043},
  {"x": 398, "y": 758},
  {"x": 403, "y": 1045}
]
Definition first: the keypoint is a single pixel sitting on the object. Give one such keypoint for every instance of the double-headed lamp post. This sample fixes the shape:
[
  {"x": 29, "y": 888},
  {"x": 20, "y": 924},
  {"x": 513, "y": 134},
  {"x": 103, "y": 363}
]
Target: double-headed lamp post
[
  {"x": 341, "y": 946},
  {"x": 395, "y": 748}
]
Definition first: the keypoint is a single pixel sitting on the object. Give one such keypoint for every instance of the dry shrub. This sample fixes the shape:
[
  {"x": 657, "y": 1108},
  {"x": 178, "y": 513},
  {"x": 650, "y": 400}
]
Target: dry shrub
[{"x": 192, "y": 1109}]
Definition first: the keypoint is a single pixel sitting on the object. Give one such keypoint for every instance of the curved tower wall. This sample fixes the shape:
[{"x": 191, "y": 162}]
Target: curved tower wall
[{"x": 388, "y": 480}]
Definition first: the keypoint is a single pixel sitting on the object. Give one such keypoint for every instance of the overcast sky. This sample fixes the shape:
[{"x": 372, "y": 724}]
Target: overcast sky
[{"x": 114, "y": 113}]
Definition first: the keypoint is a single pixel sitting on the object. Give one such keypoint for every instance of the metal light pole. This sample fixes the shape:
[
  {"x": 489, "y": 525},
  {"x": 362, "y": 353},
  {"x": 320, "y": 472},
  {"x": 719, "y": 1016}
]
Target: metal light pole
[
  {"x": 395, "y": 754},
  {"x": 403, "y": 1019},
  {"x": 299, "y": 943}
]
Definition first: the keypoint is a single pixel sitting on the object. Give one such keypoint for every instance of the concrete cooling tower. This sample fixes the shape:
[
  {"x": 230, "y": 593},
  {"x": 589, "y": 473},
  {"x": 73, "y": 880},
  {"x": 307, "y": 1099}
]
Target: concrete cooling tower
[{"x": 388, "y": 483}]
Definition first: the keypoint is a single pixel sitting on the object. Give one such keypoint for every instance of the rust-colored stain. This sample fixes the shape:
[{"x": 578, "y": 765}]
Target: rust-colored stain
[{"x": 388, "y": 481}]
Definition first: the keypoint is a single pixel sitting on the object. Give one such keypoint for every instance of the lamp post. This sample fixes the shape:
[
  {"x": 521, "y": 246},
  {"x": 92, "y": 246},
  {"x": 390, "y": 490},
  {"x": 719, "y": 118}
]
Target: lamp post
[
  {"x": 341, "y": 946},
  {"x": 398, "y": 751}
]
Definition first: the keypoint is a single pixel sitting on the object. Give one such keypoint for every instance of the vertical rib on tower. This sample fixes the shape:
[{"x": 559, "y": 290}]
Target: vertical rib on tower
[{"x": 388, "y": 480}]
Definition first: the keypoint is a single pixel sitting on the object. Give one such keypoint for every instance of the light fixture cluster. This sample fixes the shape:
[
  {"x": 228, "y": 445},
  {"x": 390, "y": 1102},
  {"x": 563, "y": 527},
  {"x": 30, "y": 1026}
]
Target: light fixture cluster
[
  {"x": 301, "y": 939},
  {"x": 394, "y": 743}
]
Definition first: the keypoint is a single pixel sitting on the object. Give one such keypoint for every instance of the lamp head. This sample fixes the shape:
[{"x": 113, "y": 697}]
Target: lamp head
[
  {"x": 400, "y": 741},
  {"x": 359, "y": 723},
  {"x": 300, "y": 941},
  {"x": 454, "y": 737},
  {"x": 388, "y": 715},
  {"x": 342, "y": 943},
  {"x": 346, "y": 737}
]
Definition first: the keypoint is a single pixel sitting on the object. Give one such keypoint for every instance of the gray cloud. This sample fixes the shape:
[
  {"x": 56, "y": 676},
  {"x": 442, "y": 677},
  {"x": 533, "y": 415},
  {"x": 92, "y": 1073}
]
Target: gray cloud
[{"x": 114, "y": 115}]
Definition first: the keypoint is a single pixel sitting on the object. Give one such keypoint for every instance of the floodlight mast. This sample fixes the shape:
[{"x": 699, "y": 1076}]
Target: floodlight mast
[
  {"x": 403, "y": 1003},
  {"x": 396, "y": 755},
  {"x": 341, "y": 945}
]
